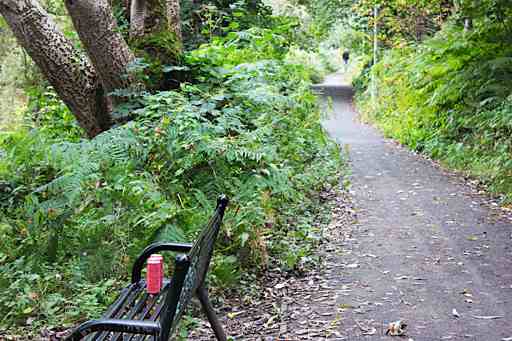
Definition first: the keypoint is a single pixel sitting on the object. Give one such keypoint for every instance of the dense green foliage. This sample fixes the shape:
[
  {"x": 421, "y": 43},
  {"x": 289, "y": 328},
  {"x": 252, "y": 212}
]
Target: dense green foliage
[
  {"x": 325, "y": 14},
  {"x": 450, "y": 97},
  {"x": 201, "y": 20},
  {"x": 74, "y": 213},
  {"x": 401, "y": 21},
  {"x": 13, "y": 75}
]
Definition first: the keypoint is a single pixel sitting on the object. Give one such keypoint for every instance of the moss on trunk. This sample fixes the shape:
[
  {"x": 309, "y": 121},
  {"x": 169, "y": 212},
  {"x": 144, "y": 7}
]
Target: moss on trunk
[{"x": 161, "y": 43}]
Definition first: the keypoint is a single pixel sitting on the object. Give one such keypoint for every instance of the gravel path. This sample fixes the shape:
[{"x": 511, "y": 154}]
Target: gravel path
[
  {"x": 425, "y": 243},
  {"x": 410, "y": 241}
]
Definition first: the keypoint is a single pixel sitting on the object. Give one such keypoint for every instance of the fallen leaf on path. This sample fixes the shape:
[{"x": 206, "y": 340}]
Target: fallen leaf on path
[
  {"x": 492, "y": 317},
  {"x": 366, "y": 330},
  {"x": 396, "y": 328},
  {"x": 372, "y": 331},
  {"x": 302, "y": 331},
  {"x": 234, "y": 314},
  {"x": 270, "y": 321},
  {"x": 280, "y": 285},
  {"x": 455, "y": 313},
  {"x": 465, "y": 291}
]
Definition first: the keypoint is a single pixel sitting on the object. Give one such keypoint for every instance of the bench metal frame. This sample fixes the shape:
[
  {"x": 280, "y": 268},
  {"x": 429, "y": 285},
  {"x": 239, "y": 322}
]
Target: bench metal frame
[{"x": 191, "y": 267}]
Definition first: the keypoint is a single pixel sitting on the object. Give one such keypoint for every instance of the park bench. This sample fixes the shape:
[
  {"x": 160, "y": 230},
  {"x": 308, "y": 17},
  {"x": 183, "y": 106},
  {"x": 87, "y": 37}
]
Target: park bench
[{"x": 137, "y": 315}]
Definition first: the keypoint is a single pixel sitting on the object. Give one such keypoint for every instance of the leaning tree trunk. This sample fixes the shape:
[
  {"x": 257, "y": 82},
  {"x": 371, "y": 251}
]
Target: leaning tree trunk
[
  {"x": 68, "y": 71},
  {"x": 98, "y": 31}
]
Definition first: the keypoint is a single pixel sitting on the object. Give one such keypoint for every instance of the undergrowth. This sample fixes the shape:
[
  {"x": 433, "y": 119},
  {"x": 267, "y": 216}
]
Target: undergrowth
[
  {"x": 12, "y": 74},
  {"x": 450, "y": 98},
  {"x": 74, "y": 213}
]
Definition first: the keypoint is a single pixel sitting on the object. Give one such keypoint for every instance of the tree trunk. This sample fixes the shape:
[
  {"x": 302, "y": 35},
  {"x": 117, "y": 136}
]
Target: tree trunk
[
  {"x": 98, "y": 31},
  {"x": 67, "y": 70},
  {"x": 173, "y": 15},
  {"x": 155, "y": 36},
  {"x": 138, "y": 12},
  {"x": 161, "y": 27},
  {"x": 163, "y": 15}
]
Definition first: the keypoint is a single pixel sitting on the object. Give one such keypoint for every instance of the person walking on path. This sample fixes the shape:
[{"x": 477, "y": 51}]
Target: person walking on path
[{"x": 346, "y": 57}]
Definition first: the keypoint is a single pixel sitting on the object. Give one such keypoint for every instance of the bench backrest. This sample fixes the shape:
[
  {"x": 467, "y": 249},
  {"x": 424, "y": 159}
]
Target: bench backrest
[{"x": 190, "y": 272}]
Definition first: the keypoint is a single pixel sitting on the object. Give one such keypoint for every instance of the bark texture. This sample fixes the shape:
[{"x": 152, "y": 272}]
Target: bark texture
[
  {"x": 163, "y": 17},
  {"x": 106, "y": 47},
  {"x": 158, "y": 41},
  {"x": 67, "y": 70},
  {"x": 173, "y": 15},
  {"x": 138, "y": 13}
]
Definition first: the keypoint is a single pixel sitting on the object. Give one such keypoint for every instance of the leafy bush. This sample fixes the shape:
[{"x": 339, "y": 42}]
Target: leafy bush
[
  {"x": 450, "y": 98},
  {"x": 319, "y": 63},
  {"x": 12, "y": 99},
  {"x": 74, "y": 213}
]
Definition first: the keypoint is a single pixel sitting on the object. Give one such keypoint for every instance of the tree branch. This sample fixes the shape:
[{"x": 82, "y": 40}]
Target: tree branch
[
  {"x": 68, "y": 71},
  {"x": 98, "y": 31}
]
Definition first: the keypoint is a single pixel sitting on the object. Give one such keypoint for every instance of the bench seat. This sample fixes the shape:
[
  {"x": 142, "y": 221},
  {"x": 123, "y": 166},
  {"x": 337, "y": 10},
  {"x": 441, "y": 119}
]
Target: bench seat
[
  {"x": 138, "y": 315},
  {"x": 134, "y": 303}
]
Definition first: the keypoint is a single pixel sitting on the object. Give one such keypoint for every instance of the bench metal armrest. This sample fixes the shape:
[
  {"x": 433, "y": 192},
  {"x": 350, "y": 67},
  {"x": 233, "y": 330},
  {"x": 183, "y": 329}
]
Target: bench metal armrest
[
  {"x": 155, "y": 248},
  {"x": 114, "y": 325}
]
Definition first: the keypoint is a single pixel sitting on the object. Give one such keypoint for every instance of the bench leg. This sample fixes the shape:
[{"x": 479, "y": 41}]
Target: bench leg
[{"x": 202, "y": 295}]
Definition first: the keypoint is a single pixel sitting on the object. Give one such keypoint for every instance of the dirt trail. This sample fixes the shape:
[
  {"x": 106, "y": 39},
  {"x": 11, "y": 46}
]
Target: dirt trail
[
  {"x": 424, "y": 243},
  {"x": 410, "y": 241}
]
